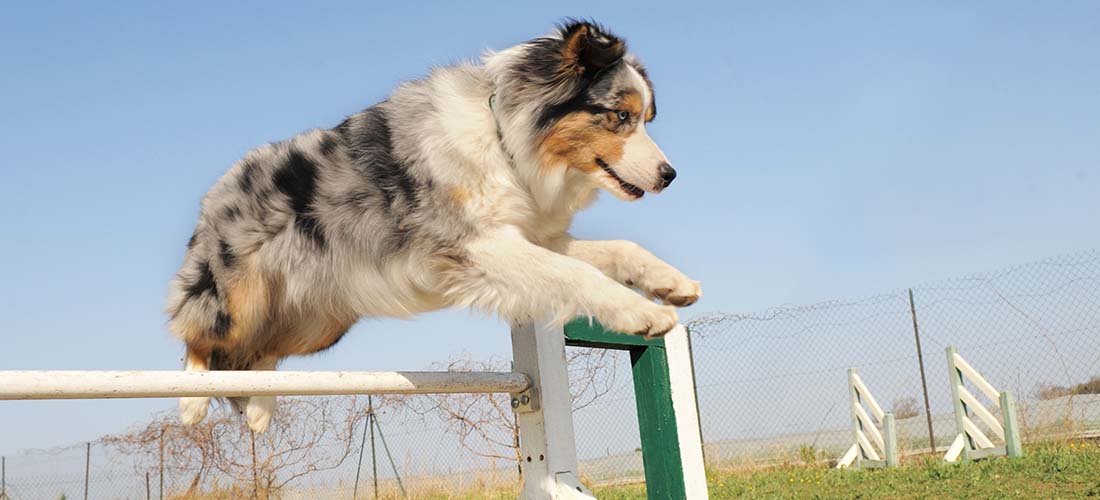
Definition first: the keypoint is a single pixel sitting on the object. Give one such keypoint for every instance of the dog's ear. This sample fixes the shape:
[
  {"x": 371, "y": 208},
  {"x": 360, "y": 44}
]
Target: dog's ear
[{"x": 587, "y": 48}]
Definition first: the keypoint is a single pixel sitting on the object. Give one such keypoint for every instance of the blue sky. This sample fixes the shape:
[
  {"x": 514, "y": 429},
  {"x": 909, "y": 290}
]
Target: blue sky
[{"x": 824, "y": 151}]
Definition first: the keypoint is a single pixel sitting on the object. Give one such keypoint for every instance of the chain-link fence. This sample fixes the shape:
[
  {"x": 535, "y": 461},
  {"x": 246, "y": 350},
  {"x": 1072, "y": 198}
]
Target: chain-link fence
[
  {"x": 416, "y": 447},
  {"x": 772, "y": 388}
]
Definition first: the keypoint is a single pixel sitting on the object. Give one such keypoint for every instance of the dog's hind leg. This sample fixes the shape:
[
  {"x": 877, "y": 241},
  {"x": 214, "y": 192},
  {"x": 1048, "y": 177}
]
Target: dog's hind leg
[
  {"x": 193, "y": 409},
  {"x": 258, "y": 410}
]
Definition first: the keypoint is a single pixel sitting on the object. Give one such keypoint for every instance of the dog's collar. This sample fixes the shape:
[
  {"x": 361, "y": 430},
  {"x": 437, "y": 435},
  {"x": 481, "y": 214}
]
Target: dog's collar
[{"x": 500, "y": 131}]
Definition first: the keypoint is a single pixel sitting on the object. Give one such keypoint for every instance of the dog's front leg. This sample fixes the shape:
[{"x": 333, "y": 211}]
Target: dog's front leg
[
  {"x": 506, "y": 273},
  {"x": 630, "y": 264}
]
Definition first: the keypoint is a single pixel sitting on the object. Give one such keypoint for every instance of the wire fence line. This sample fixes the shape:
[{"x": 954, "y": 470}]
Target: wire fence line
[{"x": 772, "y": 388}]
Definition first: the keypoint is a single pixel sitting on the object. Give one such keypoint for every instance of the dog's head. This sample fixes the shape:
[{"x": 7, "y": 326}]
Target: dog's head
[{"x": 586, "y": 103}]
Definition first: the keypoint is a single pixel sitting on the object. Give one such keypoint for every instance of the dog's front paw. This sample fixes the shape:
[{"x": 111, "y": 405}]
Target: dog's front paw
[
  {"x": 670, "y": 286},
  {"x": 642, "y": 318}
]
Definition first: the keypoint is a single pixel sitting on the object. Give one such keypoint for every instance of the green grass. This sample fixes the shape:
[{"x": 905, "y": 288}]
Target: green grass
[{"x": 1063, "y": 470}]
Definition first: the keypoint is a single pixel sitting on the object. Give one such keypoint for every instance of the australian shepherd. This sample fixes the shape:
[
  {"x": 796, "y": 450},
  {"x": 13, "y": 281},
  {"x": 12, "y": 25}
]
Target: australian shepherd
[{"x": 456, "y": 191}]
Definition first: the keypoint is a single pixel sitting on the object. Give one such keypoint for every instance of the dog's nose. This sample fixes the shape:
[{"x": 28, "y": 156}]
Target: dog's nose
[{"x": 667, "y": 174}]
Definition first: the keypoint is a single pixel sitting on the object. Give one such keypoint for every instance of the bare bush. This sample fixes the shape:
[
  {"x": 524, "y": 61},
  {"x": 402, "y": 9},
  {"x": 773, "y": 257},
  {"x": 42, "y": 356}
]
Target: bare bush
[
  {"x": 485, "y": 423},
  {"x": 1047, "y": 391},
  {"x": 906, "y": 407},
  {"x": 307, "y": 435}
]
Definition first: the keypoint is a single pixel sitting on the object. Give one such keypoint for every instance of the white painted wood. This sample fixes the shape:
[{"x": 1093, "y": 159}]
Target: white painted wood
[
  {"x": 849, "y": 457},
  {"x": 682, "y": 378},
  {"x": 869, "y": 426},
  {"x": 30, "y": 384},
  {"x": 866, "y": 396},
  {"x": 977, "y": 379},
  {"x": 866, "y": 445},
  {"x": 547, "y": 444},
  {"x": 976, "y": 434},
  {"x": 980, "y": 410},
  {"x": 956, "y": 449}
]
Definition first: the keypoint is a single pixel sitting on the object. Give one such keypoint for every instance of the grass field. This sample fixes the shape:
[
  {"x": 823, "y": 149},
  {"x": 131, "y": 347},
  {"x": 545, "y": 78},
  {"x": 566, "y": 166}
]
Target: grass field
[
  {"x": 1047, "y": 471},
  {"x": 1062, "y": 470}
]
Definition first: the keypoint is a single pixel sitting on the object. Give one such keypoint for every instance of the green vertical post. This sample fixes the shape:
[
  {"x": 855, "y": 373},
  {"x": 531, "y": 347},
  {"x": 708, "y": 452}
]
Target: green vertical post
[
  {"x": 955, "y": 376},
  {"x": 1013, "y": 445},
  {"x": 664, "y": 474},
  {"x": 664, "y": 470},
  {"x": 890, "y": 436}
]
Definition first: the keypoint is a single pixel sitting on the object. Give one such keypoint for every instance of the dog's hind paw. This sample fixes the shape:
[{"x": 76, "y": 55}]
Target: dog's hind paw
[
  {"x": 258, "y": 412},
  {"x": 193, "y": 410}
]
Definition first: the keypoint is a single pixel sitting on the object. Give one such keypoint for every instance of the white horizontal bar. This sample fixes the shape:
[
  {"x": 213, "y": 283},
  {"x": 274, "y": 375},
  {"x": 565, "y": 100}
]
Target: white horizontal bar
[
  {"x": 977, "y": 379},
  {"x": 861, "y": 438},
  {"x": 955, "y": 449},
  {"x": 867, "y": 397},
  {"x": 849, "y": 457},
  {"x": 980, "y": 410},
  {"x": 43, "y": 384},
  {"x": 869, "y": 426},
  {"x": 976, "y": 434}
]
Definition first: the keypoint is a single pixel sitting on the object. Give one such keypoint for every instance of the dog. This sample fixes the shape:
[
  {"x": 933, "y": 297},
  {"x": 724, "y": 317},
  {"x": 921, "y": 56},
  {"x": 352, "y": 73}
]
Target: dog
[{"x": 456, "y": 191}]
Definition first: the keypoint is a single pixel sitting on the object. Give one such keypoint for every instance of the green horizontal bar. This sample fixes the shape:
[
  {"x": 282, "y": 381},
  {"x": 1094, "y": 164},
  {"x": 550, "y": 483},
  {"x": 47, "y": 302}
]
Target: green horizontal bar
[{"x": 582, "y": 332}]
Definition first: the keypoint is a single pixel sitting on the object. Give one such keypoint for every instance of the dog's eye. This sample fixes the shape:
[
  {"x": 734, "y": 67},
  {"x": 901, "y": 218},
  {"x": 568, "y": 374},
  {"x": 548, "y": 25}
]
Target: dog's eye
[{"x": 623, "y": 115}]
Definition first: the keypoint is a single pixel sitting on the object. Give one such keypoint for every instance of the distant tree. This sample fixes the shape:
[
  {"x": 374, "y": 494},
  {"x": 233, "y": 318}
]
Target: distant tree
[
  {"x": 906, "y": 407},
  {"x": 1047, "y": 391}
]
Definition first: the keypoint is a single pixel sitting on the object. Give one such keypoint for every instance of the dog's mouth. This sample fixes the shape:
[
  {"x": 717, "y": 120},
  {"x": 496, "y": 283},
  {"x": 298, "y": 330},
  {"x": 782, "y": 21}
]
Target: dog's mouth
[{"x": 631, "y": 190}]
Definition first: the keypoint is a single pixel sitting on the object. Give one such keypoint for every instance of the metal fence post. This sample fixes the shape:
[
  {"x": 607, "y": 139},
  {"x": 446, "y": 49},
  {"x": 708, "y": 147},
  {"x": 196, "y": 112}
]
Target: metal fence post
[
  {"x": 87, "y": 466},
  {"x": 373, "y": 450},
  {"x": 160, "y": 491},
  {"x": 1013, "y": 446},
  {"x": 923, "y": 381}
]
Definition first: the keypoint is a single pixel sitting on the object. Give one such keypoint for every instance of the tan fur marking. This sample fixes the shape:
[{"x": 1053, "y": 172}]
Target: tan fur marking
[
  {"x": 632, "y": 102},
  {"x": 571, "y": 54},
  {"x": 331, "y": 332},
  {"x": 310, "y": 335},
  {"x": 249, "y": 301},
  {"x": 459, "y": 195},
  {"x": 197, "y": 359},
  {"x": 577, "y": 140}
]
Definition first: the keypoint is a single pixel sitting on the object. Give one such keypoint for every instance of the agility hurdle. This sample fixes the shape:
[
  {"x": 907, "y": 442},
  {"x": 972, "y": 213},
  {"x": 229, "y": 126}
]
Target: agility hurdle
[
  {"x": 538, "y": 388},
  {"x": 862, "y": 453},
  {"x": 970, "y": 442}
]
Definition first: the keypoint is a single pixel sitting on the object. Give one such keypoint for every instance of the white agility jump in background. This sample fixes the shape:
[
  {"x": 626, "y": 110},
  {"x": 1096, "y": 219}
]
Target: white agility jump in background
[
  {"x": 539, "y": 387},
  {"x": 970, "y": 442},
  {"x": 863, "y": 452}
]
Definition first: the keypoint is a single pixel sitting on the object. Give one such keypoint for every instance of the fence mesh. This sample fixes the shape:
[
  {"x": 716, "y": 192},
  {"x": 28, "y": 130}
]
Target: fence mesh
[
  {"x": 772, "y": 389},
  {"x": 773, "y": 386}
]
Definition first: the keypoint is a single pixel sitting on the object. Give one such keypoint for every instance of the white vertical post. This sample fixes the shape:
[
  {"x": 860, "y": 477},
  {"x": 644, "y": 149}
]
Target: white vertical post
[
  {"x": 682, "y": 381},
  {"x": 547, "y": 444},
  {"x": 857, "y": 426}
]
